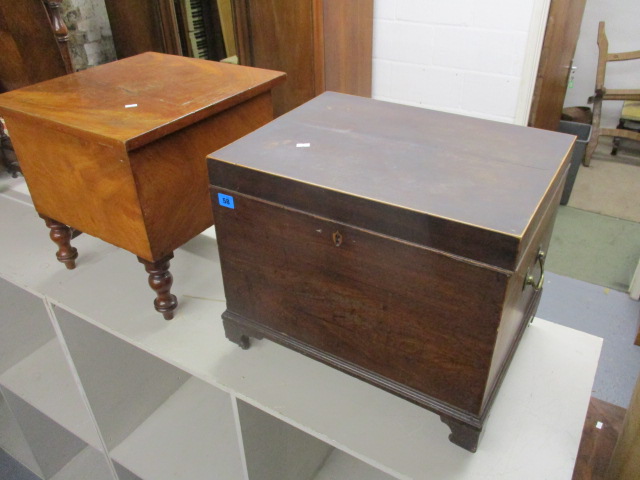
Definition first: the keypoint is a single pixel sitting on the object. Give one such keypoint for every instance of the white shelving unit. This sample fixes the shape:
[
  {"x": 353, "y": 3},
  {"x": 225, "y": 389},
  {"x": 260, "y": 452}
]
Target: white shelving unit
[
  {"x": 12, "y": 440},
  {"x": 177, "y": 400},
  {"x": 53, "y": 433},
  {"x": 89, "y": 463},
  {"x": 43, "y": 380},
  {"x": 192, "y": 430}
]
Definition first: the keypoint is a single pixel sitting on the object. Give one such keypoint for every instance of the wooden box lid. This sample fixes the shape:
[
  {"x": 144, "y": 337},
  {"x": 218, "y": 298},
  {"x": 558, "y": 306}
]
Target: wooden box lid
[
  {"x": 169, "y": 93},
  {"x": 469, "y": 187}
]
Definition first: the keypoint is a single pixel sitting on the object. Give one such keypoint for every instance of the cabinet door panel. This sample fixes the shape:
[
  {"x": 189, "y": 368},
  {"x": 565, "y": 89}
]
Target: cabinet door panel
[{"x": 281, "y": 37}]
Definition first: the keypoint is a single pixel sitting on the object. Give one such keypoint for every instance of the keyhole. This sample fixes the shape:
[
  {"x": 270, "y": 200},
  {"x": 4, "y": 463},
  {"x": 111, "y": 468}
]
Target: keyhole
[{"x": 337, "y": 238}]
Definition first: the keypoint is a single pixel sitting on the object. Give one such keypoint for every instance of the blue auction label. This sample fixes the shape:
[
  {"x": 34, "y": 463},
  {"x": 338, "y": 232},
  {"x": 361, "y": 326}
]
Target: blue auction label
[{"x": 225, "y": 200}]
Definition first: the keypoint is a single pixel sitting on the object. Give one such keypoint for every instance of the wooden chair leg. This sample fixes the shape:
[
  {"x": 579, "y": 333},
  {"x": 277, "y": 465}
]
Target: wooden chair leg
[
  {"x": 595, "y": 132},
  {"x": 160, "y": 281},
  {"x": 61, "y": 236},
  {"x": 616, "y": 140},
  {"x": 591, "y": 147}
]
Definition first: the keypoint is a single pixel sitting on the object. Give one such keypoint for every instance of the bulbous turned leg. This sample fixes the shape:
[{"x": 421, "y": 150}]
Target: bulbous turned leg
[
  {"x": 61, "y": 236},
  {"x": 160, "y": 280}
]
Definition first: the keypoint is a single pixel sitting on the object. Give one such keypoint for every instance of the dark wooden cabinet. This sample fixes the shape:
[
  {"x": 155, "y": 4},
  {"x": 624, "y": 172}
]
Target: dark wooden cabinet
[{"x": 400, "y": 245}]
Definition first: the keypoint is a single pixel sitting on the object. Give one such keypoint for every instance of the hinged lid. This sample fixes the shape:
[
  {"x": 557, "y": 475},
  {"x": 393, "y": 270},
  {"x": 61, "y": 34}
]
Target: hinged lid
[
  {"x": 139, "y": 99},
  {"x": 462, "y": 185}
]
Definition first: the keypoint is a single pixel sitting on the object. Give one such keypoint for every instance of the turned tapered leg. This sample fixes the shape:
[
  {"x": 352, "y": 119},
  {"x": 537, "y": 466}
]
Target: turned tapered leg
[
  {"x": 160, "y": 280},
  {"x": 61, "y": 236}
]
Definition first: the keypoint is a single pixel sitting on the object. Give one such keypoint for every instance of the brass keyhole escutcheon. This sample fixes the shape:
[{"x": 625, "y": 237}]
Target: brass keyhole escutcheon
[{"x": 337, "y": 238}]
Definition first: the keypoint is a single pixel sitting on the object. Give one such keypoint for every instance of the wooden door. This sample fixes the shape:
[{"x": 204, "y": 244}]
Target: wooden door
[
  {"x": 279, "y": 35},
  {"x": 143, "y": 26},
  {"x": 347, "y": 38},
  {"x": 320, "y": 44},
  {"x": 558, "y": 48}
]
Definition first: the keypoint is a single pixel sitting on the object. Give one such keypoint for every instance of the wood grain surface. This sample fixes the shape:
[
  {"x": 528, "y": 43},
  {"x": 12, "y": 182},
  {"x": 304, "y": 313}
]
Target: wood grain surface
[
  {"x": 281, "y": 37},
  {"x": 87, "y": 185},
  {"x": 320, "y": 44},
  {"x": 170, "y": 93},
  {"x": 441, "y": 175},
  {"x": 625, "y": 460},
  {"x": 597, "y": 443},
  {"x": 382, "y": 304},
  {"x": 136, "y": 27},
  {"x": 377, "y": 239},
  {"x": 171, "y": 173},
  {"x": 30, "y": 51},
  {"x": 348, "y": 46}
]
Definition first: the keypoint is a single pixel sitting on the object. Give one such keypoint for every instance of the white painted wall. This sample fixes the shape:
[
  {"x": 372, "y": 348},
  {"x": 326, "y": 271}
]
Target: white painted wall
[
  {"x": 473, "y": 57},
  {"x": 622, "y": 24}
]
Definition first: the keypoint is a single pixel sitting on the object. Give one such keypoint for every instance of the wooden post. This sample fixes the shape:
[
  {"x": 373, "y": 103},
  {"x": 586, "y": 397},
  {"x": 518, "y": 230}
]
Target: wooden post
[{"x": 54, "y": 8}]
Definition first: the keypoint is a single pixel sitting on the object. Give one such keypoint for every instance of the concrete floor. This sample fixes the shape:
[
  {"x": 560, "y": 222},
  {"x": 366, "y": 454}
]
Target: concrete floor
[
  {"x": 603, "y": 249},
  {"x": 611, "y": 184},
  {"x": 595, "y": 248}
]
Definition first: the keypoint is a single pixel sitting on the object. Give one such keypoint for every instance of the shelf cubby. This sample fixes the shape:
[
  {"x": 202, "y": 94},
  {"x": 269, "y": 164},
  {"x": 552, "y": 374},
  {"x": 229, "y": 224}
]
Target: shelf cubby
[
  {"x": 58, "y": 453},
  {"x": 158, "y": 422}
]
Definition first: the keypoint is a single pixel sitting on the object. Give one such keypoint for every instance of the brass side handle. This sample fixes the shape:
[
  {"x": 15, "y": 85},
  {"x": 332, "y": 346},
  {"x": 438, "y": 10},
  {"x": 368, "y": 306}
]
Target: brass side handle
[{"x": 529, "y": 280}]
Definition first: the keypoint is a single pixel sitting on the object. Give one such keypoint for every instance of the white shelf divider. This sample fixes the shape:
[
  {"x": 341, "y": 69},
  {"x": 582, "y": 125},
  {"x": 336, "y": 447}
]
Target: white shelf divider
[
  {"x": 340, "y": 466},
  {"x": 43, "y": 380},
  {"x": 12, "y": 440},
  {"x": 277, "y": 451},
  {"x": 88, "y": 464},
  {"x": 192, "y": 435}
]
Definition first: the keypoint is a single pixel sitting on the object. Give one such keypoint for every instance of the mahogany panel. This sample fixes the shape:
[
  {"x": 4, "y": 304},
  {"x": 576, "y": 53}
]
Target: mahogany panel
[
  {"x": 281, "y": 38},
  {"x": 95, "y": 101},
  {"x": 348, "y": 46},
  {"x": 322, "y": 45},
  {"x": 598, "y": 441},
  {"x": 30, "y": 51},
  {"x": 136, "y": 26},
  {"x": 625, "y": 460},
  {"x": 171, "y": 173},
  {"x": 449, "y": 188},
  {"x": 518, "y": 296},
  {"x": 392, "y": 315},
  {"x": 59, "y": 167}
]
